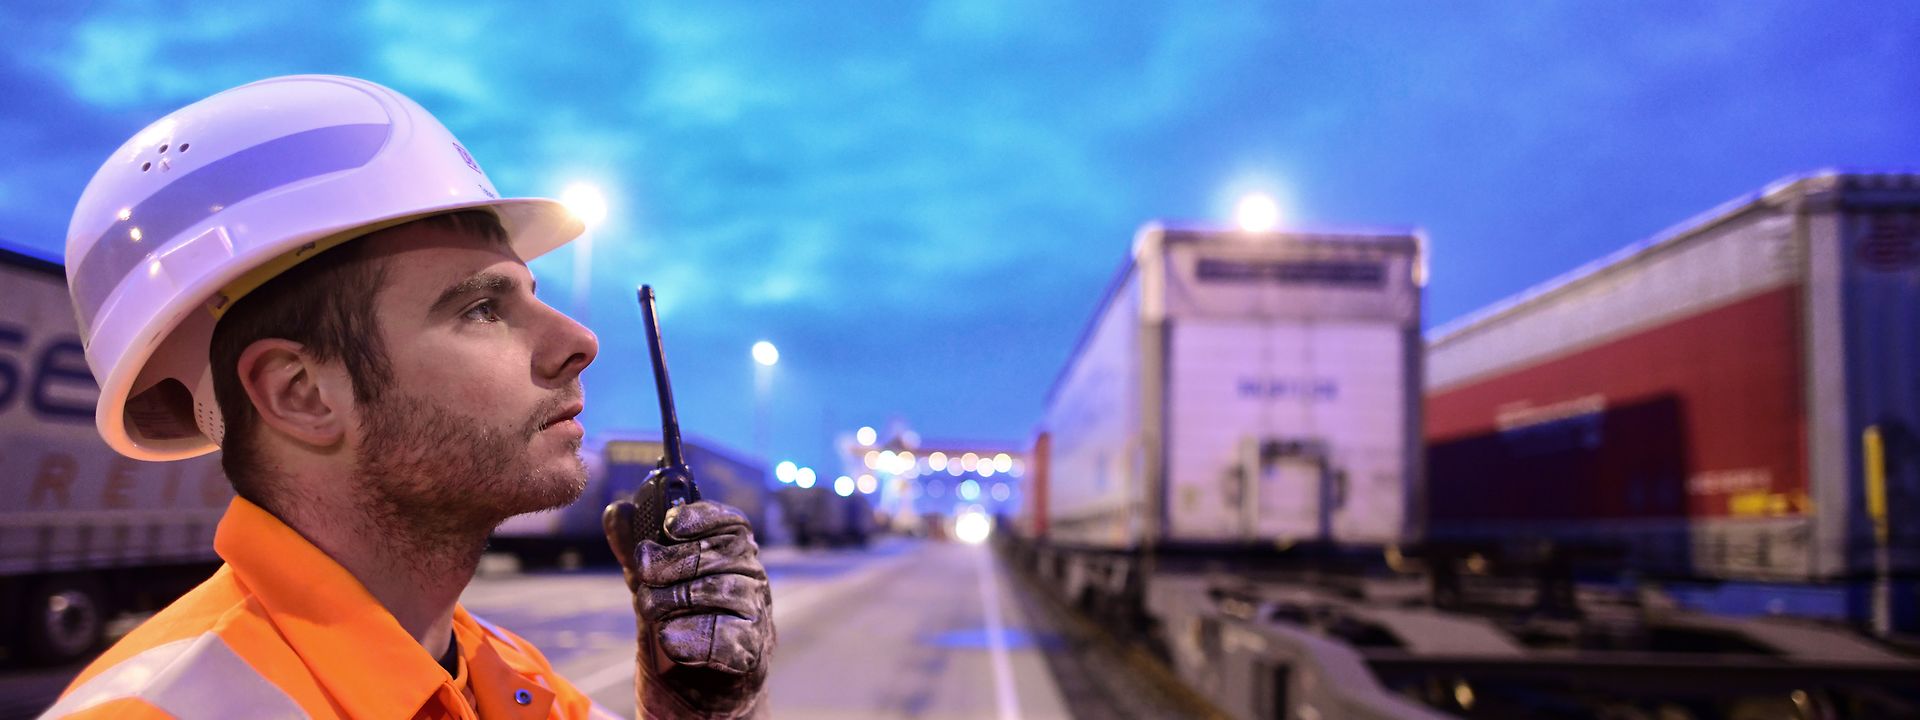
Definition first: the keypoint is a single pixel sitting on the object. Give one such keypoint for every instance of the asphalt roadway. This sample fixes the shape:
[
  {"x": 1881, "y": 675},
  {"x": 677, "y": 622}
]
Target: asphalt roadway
[{"x": 905, "y": 629}]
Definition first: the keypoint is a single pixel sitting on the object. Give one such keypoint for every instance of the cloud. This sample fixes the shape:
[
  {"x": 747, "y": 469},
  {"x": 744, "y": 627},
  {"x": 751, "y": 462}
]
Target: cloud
[
  {"x": 921, "y": 202},
  {"x": 126, "y": 57}
]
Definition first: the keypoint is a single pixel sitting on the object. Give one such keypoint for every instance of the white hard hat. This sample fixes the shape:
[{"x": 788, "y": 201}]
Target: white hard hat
[{"x": 218, "y": 196}]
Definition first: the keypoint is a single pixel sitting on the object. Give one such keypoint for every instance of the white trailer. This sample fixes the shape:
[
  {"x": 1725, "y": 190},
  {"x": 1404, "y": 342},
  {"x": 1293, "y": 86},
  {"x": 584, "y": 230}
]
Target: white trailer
[
  {"x": 84, "y": 532},
  {"x": 1243, "y": 388}
]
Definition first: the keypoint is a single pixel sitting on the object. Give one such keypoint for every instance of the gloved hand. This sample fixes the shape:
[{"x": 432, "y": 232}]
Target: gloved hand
[{"x": 704, "y": 608}]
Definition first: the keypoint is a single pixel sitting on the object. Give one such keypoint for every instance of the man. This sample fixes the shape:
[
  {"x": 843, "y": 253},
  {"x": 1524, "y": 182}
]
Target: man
[{"x": 313, "y": 274}]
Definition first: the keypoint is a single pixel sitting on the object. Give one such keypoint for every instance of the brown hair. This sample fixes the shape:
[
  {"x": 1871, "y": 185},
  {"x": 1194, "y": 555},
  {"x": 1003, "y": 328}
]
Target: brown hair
[{"x": 327, "y": 305}]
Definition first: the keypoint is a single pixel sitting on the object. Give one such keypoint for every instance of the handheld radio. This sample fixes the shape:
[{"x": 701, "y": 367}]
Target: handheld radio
[{"x": 671, "y": 483}]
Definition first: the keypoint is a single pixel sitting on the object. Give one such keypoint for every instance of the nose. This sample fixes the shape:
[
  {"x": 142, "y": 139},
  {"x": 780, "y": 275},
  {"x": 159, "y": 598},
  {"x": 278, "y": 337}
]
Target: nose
[{"x": 565, "y": 348}]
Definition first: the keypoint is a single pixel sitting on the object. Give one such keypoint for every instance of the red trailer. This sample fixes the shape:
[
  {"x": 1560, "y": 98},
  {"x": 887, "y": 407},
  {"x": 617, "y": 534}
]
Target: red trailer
[{"x": 1701, "y": 401}]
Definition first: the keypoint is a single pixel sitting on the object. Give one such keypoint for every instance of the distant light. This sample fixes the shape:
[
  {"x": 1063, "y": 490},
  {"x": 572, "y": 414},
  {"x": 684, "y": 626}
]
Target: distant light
[
  {"x": 135, "y": 234},
  {"x": 803, "y": 477},
  {"x": 866, "y": 436},
  {"x": 937, "y": 461},
  {"x": 873, "y": 459},
  {"x": 843, "y": 486},
  {"x": 887, "y": 459},
  {"x": 1019, "y": 468},
  {"x": 867, "y": 484},
  {"x": 972, "y": 527},
  {"x": 586, "y": 202},
  {"x": 954, "y": 469},
  {"x": 1257, "y": 212},
  {"x": 126, "y": 213},
  {"x": 785, "y": 471},
  {"x": 1001, "y": 492},
  {"x": 969, "y": 461},
  {"x": 906, "y": 460},
  {"x": 986, "y": 470},
  {"x": 1002, "y": 462},
  {"x": 969, "y": 490},
  {"x": 765, "y": 353}
]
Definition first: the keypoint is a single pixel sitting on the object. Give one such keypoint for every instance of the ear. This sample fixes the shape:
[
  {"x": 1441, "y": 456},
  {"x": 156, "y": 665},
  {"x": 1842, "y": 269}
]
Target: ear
[{"x": 290, "y": 391}]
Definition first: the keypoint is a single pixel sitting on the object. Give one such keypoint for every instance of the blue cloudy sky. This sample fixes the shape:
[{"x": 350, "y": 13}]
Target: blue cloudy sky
[{"x": 921, "y": 201}]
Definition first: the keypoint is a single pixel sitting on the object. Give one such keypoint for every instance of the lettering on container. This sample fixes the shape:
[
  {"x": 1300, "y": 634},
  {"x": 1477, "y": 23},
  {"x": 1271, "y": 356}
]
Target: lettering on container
[
  {"x": 64, "y": 387},
  {"x": 1310, "y": 389},
  {"x": 54, "y": 477},
  {"x": 121, "y": 477},
  {"x": 1892, "y": 242},
  {"x": 1304, "y": 272},
  {"x": 56, "y": 383},
  {"x": 1730, "y": 482},
  {"x": 57, "y": 476}
]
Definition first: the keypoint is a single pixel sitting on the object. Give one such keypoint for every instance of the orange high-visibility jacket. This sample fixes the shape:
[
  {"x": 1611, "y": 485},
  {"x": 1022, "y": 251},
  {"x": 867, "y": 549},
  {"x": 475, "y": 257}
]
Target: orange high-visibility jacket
[{"x": 283, "y": 631}]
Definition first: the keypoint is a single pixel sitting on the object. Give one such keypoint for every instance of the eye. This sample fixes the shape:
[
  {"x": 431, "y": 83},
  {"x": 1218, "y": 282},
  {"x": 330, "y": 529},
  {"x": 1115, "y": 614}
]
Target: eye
[{"x": 483, "y": 311}]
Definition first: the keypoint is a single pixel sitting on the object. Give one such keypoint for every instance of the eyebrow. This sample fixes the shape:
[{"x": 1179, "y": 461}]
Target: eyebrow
[{"x": 482, "y": 283}]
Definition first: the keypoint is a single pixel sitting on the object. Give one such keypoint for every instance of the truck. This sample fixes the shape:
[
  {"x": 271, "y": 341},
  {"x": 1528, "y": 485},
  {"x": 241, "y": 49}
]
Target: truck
[
  {"x": 85, "y": 533},
  {"x": 1735, "y": 400},
  {"x": 819, "y": 517},
  {"x": 617, "y": 462},
  {"x": 1235, "y": 392}
]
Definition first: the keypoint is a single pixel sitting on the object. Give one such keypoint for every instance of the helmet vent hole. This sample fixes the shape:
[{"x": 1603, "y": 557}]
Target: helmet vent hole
[
  {"x": 184, "y": 146},
  {"x": 163, "y": 149},
  {"x": 146, "y": 166}
]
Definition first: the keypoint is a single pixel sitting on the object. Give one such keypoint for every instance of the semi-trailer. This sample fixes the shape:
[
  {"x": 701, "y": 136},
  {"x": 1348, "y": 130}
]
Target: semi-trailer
[
  {"x": 1235, "y": 393},
  {"x": 1736, "y": 399},
  {"x": 85, "y": 534}
]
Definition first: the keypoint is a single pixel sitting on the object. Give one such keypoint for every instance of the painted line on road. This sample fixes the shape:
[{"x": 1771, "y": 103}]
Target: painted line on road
[{"x": 1003, "y": 689}]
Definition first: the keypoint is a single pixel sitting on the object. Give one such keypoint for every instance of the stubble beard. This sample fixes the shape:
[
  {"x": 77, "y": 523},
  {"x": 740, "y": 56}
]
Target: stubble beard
[{"x": 441, "y": 482}]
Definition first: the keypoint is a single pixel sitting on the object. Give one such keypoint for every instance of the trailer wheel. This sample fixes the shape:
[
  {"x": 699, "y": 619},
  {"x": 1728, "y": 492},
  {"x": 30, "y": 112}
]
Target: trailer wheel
[{"x": 66, "y": 619}]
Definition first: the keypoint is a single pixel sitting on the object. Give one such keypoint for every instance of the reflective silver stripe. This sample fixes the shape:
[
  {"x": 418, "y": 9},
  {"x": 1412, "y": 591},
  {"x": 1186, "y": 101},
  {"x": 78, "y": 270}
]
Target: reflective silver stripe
[
  {"x": 192, "y": 197},
  {"x": 198, "y": 677},
  {"x": 495, "y": 630}
]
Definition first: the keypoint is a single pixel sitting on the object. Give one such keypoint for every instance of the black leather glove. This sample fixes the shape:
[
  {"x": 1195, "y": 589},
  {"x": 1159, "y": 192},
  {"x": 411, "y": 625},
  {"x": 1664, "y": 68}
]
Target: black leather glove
[{"x": 704, "y": 608}]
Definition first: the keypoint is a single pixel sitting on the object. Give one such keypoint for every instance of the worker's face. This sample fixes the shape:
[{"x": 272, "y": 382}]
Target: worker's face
[{"x": 476, "y": 425}]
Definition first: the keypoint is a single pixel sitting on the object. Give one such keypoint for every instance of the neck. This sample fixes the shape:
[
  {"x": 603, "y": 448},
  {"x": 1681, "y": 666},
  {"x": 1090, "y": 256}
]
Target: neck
[{"x": 417, "y": 573}]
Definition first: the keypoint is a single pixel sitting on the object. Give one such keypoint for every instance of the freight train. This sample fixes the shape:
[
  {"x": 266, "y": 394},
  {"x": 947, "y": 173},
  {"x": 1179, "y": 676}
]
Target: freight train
[{"x": 1254, "y": 463}]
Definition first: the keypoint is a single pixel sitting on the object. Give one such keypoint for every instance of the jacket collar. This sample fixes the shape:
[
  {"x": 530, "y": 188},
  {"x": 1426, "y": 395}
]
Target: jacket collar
[{"x": 354, "y": 648}]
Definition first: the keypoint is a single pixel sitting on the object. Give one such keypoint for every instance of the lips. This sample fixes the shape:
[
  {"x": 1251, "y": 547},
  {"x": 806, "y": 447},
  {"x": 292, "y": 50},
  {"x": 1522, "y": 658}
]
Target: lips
[{"x": 565, "y": 414}]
